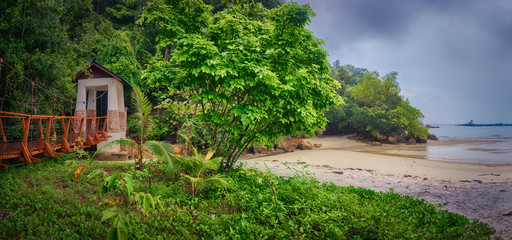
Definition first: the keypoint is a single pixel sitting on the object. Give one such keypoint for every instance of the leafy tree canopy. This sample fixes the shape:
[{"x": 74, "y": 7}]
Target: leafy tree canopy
[
  {"x": 373, "y": 105},
  {"x": 255, "y": 74}
]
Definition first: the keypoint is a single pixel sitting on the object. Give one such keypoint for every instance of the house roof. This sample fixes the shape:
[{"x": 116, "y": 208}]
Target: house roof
[{"x": 95, "y": 70}]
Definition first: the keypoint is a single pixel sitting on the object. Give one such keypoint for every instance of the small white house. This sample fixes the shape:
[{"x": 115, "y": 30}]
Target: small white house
[{"x": 100, "y": 93}]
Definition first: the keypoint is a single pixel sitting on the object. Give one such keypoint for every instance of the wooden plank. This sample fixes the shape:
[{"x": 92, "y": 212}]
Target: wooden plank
[{"x": 16, "y": 114}]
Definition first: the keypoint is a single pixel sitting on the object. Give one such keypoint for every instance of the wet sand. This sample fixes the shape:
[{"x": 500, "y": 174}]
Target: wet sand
[{"x": 482, "y": 191}]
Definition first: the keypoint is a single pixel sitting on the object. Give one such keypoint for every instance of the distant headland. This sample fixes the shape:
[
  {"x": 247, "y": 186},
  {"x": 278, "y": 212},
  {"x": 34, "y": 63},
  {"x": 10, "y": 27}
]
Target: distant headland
[{"x": 472, "y": 124}]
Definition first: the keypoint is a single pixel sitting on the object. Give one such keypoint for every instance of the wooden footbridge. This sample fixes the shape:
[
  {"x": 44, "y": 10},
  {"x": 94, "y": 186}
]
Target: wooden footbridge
[
  {"x": 72, "y": 133},
  {"x": 25, "y": 137}
]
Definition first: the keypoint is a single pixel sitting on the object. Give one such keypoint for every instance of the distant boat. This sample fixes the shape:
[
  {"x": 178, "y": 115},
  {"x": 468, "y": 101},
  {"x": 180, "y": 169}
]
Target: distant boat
[
  {"x": 472, "y": 124},
  {"x": 430, "y": 126}
]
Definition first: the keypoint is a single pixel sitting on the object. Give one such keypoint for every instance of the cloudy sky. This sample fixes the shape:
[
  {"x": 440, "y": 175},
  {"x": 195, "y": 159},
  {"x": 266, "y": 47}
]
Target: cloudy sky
[{"x": 453, "y": 57}]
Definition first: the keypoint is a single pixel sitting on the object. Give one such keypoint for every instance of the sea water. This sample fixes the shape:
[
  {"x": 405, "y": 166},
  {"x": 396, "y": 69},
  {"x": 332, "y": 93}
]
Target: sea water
[
  {"x": 452, "y": 131},
  {"x": 486, "y": 145}
]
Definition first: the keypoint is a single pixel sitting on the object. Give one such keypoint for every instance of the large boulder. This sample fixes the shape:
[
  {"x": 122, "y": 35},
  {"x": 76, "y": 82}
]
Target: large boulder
[
  {"x": 401, "y": 139},
  {"x": 382, "y": 137},
  {"x": 296, "y": 141},
  {"x": 421, "y": 139},
  {"x": 392, "y": 140},
  {"x": 287, "y": 146},
  {"x": 432, "y": 137},
  {"x": 318, "y": 145},
  {"x": 305, "y": 145},
  {"x": 411, "y": 142}
]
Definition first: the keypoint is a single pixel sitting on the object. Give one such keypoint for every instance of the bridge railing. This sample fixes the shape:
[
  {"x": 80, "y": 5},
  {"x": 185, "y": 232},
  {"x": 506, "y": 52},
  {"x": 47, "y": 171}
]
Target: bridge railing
[{"x": 47, "y": 134}]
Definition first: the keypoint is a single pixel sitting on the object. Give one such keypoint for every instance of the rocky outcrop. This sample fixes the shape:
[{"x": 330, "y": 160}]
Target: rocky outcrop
[
  {"x": 306, "y": 146},
  {"x": 392, "y": 140},
  {"x": 411, "y": 142},
  {"x": 317, "y": 145},
  {"x": 432, "y": 137},
  {"x": 421, "y": 139},
  {"x": 290, "y": 144},
  {"x": 382, "y": 137},
  {"x": 287, "y": 146},
  {"x": 401, "y": 139}
]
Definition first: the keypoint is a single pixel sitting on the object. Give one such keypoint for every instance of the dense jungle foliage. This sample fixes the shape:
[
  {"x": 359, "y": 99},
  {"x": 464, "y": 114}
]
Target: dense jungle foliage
[
  {"x": 372, "y": 105},
  {"x": 227, "y": 74}
]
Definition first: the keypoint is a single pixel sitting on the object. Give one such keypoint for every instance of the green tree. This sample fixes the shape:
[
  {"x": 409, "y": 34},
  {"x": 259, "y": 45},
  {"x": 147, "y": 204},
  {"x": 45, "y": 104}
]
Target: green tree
[
  {"x": 374, "y": 92},
  {"x": 173, "y": 18},
  {"x": 374, "y": 98},
  {"x": 34, "y": 39},
  {"x": 340, "y": 74},
  {"x": 373, "y": 105},
  {"x": 219, "y": 5},
  {"x": 253, "y": 78},
  {"x": 408, "y": 120}
]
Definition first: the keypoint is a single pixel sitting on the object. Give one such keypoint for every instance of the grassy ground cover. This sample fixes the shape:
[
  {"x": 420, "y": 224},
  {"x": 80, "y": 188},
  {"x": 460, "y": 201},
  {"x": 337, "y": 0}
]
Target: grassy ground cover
[{"x": 42, "y": 201}]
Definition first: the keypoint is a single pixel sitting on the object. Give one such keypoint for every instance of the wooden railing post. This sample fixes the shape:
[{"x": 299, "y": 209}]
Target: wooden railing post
[
  {"x": 41, "y": 135},
  {"x": 48, "y": 151},
  {"x": 27, "y": 156},
  {"x": 103, "y": 132},
  {"x": 4, "y": 138},
  {"x": 65, "y": 143},
  {"x": 96, "y": 130}
]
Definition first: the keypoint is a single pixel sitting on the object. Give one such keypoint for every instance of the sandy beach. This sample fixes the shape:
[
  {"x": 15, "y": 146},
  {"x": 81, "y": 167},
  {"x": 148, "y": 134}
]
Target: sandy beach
[{"x": 482, "y": 191}]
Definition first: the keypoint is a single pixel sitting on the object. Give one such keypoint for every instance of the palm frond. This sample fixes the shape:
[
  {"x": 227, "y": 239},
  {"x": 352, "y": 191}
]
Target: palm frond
[
  {"x": 217, "y": 180},
  {"x": 213, "y": 164},
  {"x": 142, "y": 113},
  {"x": 193, "y": 179},
  {"x": 118, "y": 142},
  {"x": 164, "y": 152},
  {"x": 186, "y": 164},
  {"x": 208, "y": 156}
]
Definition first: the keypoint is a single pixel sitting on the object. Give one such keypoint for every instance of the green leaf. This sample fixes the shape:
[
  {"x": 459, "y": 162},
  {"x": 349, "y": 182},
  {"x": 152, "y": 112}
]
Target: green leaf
[
  {"x": 129, "y": 183},
  {"x": 147, "y": 203},
  {"x": 108, "y": 213},
  {"x": 113, "y": 180},
  {"x": 122, "y": 233},
  {"x": 93, "y": 174},
  {"x": 112, "y": 234}
]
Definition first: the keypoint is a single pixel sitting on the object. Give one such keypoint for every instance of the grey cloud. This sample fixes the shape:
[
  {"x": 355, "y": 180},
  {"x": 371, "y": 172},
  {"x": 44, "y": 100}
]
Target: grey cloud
[{"x": 454, "y": 57}]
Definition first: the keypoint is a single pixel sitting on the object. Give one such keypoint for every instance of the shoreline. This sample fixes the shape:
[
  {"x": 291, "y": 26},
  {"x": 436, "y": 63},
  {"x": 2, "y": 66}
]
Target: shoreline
[
  {"x": 477, "y": 191},
  {"x": 398, "y": 160}
]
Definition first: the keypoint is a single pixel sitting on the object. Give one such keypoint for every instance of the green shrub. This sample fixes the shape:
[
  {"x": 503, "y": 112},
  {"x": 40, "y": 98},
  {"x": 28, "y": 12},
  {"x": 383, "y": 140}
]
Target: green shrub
[{"x": 45, "y": 201}]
